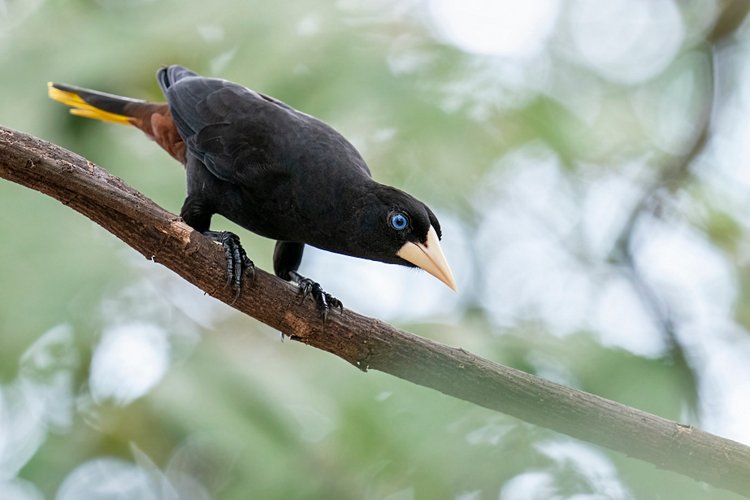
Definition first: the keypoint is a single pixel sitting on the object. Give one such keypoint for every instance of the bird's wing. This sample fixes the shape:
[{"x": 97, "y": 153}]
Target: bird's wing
[
  {"x": 239, "y": 133},
  {"x": 233, "y": 130}
]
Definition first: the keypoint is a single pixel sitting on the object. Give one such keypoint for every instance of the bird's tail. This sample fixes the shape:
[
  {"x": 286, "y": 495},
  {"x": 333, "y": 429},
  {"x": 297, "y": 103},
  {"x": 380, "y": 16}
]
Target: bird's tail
[{"x": 96, "y": 105}]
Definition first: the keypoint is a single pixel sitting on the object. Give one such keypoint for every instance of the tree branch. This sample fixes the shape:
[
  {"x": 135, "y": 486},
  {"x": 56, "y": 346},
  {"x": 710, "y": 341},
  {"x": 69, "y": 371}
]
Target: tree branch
[{"x": 368, "y": 343}]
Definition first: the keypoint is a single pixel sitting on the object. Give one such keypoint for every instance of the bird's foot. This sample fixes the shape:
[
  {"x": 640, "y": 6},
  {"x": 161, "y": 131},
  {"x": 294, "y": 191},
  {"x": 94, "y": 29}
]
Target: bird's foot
[
  {"x": 237, "y": 260},
  {"x": 324, "y": 300}
]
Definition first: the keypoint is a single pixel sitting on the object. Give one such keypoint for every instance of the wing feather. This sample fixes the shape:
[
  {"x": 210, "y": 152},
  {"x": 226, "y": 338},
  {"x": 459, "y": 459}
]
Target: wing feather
[{"x": 240, "y": 134}]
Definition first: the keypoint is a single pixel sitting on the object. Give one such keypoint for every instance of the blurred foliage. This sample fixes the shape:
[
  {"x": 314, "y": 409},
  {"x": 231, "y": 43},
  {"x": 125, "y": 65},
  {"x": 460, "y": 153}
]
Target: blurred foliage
[{"x": 567, "y": 185}]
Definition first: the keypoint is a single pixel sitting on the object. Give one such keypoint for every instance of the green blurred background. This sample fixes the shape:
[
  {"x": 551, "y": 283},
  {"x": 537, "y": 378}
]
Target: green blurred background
[{"x": 587, "y": 161}]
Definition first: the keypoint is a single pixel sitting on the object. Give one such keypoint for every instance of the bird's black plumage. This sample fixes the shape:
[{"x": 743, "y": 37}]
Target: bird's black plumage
[{"x": 279, "y": 173}]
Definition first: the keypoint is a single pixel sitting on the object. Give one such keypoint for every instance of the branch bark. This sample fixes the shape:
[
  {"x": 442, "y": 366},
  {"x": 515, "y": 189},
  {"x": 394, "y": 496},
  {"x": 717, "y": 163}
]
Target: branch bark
[{"x": 365, "y": 342}]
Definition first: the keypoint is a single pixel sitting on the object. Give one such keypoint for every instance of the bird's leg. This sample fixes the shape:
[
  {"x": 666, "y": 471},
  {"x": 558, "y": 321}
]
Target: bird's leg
[
  {"x": 323, "y": 299},
  {"x": 237, "y": 260},
  {"x": 287, "y": 257},
  {"x": 197, "y": 214}
]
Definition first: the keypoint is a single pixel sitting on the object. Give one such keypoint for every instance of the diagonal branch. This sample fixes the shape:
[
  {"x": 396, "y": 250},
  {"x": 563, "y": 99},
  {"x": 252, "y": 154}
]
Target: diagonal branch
[{"x": 368, "y": 343}]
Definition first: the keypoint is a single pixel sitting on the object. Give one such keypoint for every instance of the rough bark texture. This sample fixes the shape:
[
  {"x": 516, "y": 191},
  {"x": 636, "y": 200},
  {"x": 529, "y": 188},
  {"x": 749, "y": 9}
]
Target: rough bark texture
[{"x": 365, "y": 342}]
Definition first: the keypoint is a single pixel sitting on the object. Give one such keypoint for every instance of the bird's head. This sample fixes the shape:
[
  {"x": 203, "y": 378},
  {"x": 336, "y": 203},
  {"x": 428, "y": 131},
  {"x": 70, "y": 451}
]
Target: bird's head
[{"x": 403, "y": 230}]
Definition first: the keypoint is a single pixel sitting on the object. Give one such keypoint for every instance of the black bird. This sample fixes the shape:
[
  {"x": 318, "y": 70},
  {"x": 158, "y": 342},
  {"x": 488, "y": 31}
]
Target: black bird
[{"x": 275, "y": 171}]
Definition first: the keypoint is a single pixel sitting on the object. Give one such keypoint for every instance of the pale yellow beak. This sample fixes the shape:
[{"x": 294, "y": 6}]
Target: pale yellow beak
[{"x": 429, "y": 256}]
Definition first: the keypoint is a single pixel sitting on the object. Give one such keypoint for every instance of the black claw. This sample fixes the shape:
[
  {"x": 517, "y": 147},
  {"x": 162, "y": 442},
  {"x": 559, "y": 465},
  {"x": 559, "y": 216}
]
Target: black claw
[
  {"x": 237, "y": 260},
  {"x": 324, "y": 300},
  {"x": 335, "y": 303}
]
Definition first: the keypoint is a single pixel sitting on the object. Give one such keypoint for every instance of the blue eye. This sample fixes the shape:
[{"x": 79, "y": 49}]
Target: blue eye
[{"x": 399, "y": 221}]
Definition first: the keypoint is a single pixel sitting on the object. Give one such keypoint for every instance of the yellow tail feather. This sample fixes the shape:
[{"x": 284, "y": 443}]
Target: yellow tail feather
[{"x": 82, "y": 108}]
